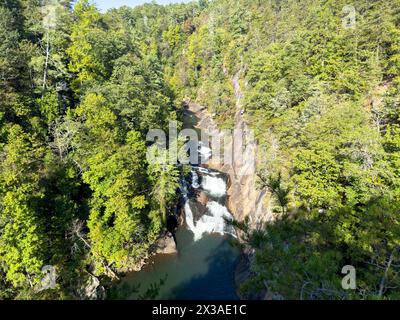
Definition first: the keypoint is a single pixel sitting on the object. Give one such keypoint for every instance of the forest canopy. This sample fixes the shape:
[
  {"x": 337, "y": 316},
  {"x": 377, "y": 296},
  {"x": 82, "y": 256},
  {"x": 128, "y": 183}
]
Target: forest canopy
[{"x": 80, "y": 89}]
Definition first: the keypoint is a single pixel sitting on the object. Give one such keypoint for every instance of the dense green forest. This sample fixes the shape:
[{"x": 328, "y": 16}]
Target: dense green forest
[{"x": 80, "y": 89}]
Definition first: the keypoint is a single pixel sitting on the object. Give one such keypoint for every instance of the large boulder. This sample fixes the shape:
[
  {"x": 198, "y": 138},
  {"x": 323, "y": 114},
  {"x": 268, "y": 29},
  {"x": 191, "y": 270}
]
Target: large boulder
[
  {"x": 166, "y": 245},
  {"x": 92, "y": 290},
  {"x": 202, "y": 198}
]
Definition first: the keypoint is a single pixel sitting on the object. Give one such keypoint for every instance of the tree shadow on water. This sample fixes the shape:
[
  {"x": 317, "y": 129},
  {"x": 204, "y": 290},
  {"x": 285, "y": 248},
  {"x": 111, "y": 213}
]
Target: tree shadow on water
[
  {"x": 127, "y": 291},
  {"x": 217, "y": 284}
]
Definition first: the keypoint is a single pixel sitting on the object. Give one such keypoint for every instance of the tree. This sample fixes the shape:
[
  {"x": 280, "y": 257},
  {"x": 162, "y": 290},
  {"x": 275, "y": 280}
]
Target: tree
[
  {"x": 165, "y": 179},
  {"x": 82, "y": 59},
  {"x": 22, "y": 229},
  {"x": 275, "y": 186}
]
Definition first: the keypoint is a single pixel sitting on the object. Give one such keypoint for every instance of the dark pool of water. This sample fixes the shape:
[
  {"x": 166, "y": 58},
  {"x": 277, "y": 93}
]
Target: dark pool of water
[{"x": 202, "y": 270}]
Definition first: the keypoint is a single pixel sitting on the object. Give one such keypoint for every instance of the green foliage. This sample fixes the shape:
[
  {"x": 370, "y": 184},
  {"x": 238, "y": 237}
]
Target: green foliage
[
  {"x": 165, "y": 179},
  {"x": 79, "y": 91},
  {"x": 338, "y": 160},
  {"x": 323, "y": 101},
  {"x": 78, "y": 96},
  {"x": 275, "y": 186},
  {"x": 302, "y": 257},
  {"x": 22, "y": 234}
]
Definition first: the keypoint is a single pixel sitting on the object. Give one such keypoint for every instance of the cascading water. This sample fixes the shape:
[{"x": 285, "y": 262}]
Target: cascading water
[
  {"x": 216, "y": 216},
  {"x": 214, "y": 186},
  {"x": 204, "y": 151},
  {"x": 195, "y": 180},
  {"x": 205, "y": 265},
  {"x": 214, "y": 221}
]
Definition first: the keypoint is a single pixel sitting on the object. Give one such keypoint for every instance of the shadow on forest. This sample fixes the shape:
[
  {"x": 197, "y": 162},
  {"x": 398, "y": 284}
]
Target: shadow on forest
[{"x": 301, "y": 256}]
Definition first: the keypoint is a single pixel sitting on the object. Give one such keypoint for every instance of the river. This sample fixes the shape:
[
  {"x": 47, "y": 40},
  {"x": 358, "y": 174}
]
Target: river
[{"x": 204, "y": 267}]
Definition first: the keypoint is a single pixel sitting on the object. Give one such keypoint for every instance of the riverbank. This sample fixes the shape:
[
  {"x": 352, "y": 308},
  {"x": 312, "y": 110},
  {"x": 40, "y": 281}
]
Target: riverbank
[
  {"x": 204, "y": 265},
  {"x": 217, "y": 191},
  {"x": 244, "y": 200}
]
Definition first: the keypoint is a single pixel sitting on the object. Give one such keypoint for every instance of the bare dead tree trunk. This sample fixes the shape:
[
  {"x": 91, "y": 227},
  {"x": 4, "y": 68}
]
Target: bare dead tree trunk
[
  {"x": 46, "y": 64},
  {"x": 76, "y": 230},
  {"x": 111, "y": 273},
  {"x": 383, "y": 280}
]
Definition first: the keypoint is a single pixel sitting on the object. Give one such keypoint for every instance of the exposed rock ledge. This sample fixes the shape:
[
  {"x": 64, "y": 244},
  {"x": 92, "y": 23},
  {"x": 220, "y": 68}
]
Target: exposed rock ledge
[
  {"x": 244, "y": 199},
  {"x": 164, "y": 245}
]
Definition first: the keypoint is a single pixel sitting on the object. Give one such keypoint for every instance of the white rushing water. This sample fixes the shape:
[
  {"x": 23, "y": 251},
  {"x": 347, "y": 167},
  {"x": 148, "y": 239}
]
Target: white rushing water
[
  {"x": 195, "y": 180},
  {"x": 213, "y": 185},
  {"x": 205, "y": 152},
  {"x": 188, "y": 210},
  {"x": 208, "y": 172},
  {"x": 214, "y": 221}
]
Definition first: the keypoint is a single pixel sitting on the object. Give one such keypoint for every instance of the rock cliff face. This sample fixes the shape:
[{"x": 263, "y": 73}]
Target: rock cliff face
[{"x": 244, "y": 198}]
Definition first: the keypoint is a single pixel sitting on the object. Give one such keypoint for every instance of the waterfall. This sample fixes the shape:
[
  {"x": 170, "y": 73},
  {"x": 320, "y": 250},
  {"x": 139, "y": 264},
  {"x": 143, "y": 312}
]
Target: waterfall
[
  {"x": 220, "y": 215},
  {"x": 208, "y": 172},
  {"x": 213, "y": 223},
  {"x": 213, "y": 185},
  {"x": 189, "y": 216},
  {"x": 195, "y": 180},
  {"x": 211, "y": 182},
  {"x": 188, "y": 210},
  {"x": 205, "y": 152},
  {"x": 214, "y": 220}
]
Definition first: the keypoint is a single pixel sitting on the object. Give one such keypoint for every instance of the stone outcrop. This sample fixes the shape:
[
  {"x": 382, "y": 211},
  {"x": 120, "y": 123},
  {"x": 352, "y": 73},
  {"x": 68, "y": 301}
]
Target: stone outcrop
[
  {"x": 92, "y": 290},
  {"x": 244, "y": 199},
  {"x": 202, "y": 198},
  {"x": 166, "y": 245}
]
